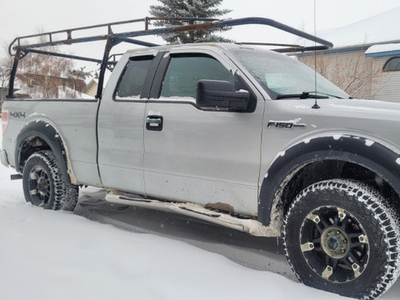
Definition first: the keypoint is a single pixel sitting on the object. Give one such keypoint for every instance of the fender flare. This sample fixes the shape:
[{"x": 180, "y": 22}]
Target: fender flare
[
  {"x": 371, "y": 155},
  {"x": 51, "y": 137}
]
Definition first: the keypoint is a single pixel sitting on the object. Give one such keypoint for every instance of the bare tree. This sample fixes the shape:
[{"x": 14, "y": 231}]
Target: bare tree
[
  {"x": 354, "y": 73},
  {"x": 43, "y": 76},
  {"x": 5, "y": 71},
  {"x": 6, "y": 63}
]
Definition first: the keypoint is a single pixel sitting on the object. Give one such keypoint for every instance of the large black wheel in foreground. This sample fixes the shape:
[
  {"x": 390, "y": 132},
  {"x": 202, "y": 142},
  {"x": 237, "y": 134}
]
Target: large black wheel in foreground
[
  {"x": 45, "y": 186},
  {"x": 341, "y": 237}
]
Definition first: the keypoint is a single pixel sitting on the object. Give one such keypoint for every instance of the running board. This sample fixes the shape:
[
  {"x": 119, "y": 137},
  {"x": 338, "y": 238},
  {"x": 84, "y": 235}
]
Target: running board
[{"x": 250, "y": 226}]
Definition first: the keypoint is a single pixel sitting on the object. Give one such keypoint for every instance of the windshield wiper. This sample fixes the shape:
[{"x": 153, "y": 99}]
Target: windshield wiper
[
  {"x": 304, "y": 95},
  {"x": 326, "y": 94}
]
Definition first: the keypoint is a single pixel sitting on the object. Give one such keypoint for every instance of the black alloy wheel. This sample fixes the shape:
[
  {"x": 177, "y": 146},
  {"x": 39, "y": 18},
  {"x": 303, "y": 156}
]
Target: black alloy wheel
[
  {"x": 341, "y": 236},
  {"x": 44, "y": 184}
]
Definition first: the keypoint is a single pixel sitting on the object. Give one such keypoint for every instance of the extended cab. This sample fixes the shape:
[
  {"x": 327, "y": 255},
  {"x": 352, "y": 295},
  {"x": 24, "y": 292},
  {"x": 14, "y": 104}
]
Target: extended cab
[{"x": 233, "y": 134}]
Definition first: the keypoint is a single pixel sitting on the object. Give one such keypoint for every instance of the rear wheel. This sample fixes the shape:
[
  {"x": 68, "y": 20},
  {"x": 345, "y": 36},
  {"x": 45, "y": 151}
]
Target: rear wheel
[
  {"x": 341, "y": 237},
  {"x": 45, "y": 186}
]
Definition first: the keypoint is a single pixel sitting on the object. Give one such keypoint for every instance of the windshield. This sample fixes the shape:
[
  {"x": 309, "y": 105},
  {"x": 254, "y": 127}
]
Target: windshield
[{"x": 285, "y": 77}]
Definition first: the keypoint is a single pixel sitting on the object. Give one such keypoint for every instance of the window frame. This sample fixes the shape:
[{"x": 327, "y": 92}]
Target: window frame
[
  {"x": 389, "y": 61},
  {"x": 158, "y": 81},
  {"x": 145, "y": 93},
  {"x": 189, "y": 55},
  {"x": 241, "y": 79}
]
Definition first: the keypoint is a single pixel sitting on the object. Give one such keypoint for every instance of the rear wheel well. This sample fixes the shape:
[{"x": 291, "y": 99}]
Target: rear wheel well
[
  {"x": 336, "y": 169},
  {"x": 29, "y": 146}
]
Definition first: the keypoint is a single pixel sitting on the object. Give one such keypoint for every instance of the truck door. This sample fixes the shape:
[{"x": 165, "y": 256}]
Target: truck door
[
  {"x": 120, "y": 125},
  {"x": 196, "y": 155}
]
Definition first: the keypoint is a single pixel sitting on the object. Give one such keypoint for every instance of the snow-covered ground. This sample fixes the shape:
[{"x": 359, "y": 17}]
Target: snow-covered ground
[{"x": 51, "y": 255}]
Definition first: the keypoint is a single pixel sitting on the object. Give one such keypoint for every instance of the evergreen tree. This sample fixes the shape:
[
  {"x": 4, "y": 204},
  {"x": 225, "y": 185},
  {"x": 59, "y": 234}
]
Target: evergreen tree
[{"x": 189, "y": 9}]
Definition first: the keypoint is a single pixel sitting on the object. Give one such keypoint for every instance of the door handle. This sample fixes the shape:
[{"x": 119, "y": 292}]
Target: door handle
[{"x": 154, "y": 123}]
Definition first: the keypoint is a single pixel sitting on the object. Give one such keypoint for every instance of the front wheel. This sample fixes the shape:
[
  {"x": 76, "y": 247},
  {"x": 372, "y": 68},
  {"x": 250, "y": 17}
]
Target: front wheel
[
  {"x": 44, "y": 184},
  {"x": 341, "y": 237}
]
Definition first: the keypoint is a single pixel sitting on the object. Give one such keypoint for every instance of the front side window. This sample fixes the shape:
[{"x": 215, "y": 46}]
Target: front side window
[
  {"x": 185, "y": 71},
  {"x": 131, "y": 83}
]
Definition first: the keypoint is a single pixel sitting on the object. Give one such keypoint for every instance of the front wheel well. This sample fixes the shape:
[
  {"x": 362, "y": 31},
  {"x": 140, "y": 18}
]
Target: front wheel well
[{"x": 336, "y": 169}]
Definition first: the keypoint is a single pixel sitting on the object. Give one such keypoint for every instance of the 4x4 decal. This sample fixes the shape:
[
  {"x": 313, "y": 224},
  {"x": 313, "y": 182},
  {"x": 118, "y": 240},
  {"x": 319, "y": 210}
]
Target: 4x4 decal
[{"x": 17, "y": 114}]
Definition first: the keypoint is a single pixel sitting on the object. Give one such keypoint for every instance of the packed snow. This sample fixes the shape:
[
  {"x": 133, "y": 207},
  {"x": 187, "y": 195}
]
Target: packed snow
[{"x": 51, "y": 255}]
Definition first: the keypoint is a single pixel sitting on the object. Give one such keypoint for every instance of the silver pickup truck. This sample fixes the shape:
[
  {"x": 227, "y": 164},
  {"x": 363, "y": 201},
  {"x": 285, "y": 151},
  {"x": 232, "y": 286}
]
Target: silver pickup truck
[{"x": 233, "y": 134}]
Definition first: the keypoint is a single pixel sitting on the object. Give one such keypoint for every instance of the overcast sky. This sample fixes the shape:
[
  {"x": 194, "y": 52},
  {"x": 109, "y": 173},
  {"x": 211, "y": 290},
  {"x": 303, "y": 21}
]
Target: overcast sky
[{"x": 24, "y": 17}]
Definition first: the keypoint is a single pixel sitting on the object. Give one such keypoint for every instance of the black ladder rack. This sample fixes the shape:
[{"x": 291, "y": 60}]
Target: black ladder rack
[{"x": 20, "y": 46}]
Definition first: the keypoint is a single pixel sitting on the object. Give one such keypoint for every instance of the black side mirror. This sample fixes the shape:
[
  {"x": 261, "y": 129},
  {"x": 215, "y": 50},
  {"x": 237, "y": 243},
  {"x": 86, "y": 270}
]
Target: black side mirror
[{"x": 220, "y": 95}]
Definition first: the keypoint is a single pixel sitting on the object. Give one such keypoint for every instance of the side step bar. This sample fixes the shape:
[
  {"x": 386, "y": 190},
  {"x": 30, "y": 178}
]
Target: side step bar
[{"x": 250, "y": 226}]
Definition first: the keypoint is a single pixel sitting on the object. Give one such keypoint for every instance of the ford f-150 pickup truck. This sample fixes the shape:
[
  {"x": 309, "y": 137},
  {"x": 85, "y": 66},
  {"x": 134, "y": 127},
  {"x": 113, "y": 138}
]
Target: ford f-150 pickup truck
[{"x": 234, "y": 134}]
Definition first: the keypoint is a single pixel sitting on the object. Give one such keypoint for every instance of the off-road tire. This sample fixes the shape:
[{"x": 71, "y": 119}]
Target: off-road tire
[
  {"x": 340, "y": 236},
  {"x": 44, "y": 184}
]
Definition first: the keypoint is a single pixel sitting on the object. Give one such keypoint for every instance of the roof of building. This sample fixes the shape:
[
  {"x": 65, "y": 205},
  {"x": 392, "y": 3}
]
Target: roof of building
[
  {"x": 379, "y": 29},
  {"x": 383, "y": 50}
]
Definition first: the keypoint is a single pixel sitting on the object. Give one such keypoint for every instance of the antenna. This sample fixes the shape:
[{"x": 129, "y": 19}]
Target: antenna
[{"x": 315, "y": 106}]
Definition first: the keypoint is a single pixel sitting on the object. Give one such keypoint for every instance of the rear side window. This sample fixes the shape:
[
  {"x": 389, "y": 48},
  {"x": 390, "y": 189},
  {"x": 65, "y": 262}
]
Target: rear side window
[
  {"x": 185, "y": 71},
  {"x": 131, "y": 83}
]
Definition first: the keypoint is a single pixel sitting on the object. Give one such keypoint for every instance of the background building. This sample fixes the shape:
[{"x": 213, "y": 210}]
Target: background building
[{"x": 365, "y": 60}]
